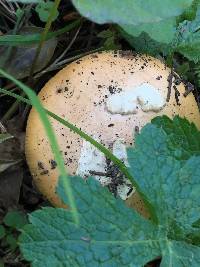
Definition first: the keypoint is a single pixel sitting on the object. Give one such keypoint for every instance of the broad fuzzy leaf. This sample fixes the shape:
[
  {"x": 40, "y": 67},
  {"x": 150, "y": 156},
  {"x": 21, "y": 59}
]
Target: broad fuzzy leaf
[
  {"x": 162, "y": 32},
  {"x": 144, "y": 44},
  {"x": 158, "y": 19},
  {"x": 129, "y": 12},
  {"x": 111, "y": 234},
  {"x": 15, "y": 219},
  {"x": 172, "y": 186}
]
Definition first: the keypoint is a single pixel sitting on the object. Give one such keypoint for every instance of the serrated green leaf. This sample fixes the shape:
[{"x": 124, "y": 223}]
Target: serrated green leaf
[
  {"x": 15, "y": 219},
  {"x": 197, "y": 224},
  {"x": 144, "y": 44},
  {"x": 169, "y": 181},
  {"x": 190, "y": 13},
  {"x": 111, "y": 234},
  {"x": 162, "y": 31},
  {"x": 128, "y": 12},
  {"x": 180, "y": 254},
  {"x": 104, "y": 238},
  {"x": 190, "y": 49},
  {"x": 184, "y": 137},
  {"x": 11, "y": 241},
  {"x": 194, "y": 237},
  {"x": 187, "y": 40}
]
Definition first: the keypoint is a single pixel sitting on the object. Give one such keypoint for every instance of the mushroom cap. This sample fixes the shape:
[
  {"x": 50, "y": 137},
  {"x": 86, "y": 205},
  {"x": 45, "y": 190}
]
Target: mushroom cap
[{"x": 108, "y": 95}]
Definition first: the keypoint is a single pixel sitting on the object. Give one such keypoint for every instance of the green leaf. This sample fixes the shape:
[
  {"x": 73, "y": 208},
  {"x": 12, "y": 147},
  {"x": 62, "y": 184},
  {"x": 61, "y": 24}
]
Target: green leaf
[
  {"x": 172, "y": 185},
  {"x": 15, "y": 219},
  {"x": 11, "y": 242},
  {"x": 187, "y": 40},
  {"x": 19, "y": 13},
  {"x": 109, "y": 40},
  {"x": 129, "y": 12},
  {"x": 110, "y": 234},
  {"x": 162, "y": 31},
  {"x": 184, "y": 137},
  {"x": 190, "y": 13},
  {"x": 194, "y": 237},
  {"x": 44, "y": 8},
  {"x": 180, "y": 254},
  {"x": 144, "y": 44},
  {"x": 2, "y": 231}
]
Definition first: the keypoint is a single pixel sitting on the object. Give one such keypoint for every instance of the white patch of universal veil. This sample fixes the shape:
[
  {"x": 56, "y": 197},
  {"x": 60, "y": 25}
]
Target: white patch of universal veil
[
  {"x": 145, "y": 95},
  {"x": 92, "y": 159},
  {"x": 119, "y": 150}
]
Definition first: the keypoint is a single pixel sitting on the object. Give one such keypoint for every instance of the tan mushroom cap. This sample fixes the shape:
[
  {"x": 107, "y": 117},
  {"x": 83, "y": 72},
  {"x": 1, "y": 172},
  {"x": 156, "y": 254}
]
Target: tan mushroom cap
[{"x": 80, "y": 92}]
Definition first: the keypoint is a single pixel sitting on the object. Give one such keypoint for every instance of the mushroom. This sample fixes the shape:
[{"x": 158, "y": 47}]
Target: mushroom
[{"x": 109, "y": 95}]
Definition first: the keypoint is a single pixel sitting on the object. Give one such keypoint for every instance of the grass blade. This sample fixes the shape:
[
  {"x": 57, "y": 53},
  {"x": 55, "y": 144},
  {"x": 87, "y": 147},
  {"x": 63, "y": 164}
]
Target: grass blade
[
  {"x": 17, "y": 40},
  {"x": 52, "y": 138}
]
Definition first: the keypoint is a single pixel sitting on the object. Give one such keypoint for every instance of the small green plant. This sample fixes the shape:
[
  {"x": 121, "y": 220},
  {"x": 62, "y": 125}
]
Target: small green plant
[
  {"x": 44, "y": 8},
  {"x": 13, "y": 222}
]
